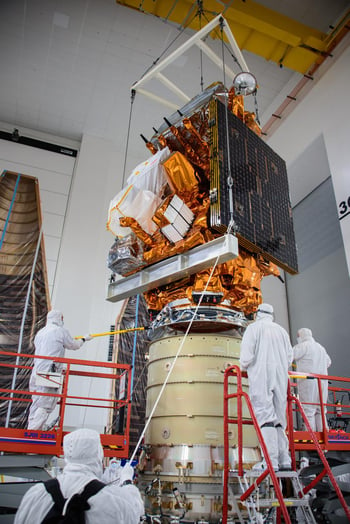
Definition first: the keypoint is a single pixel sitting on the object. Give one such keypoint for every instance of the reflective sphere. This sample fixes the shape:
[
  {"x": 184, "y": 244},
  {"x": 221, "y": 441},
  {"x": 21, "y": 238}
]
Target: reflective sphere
[{"x": 244, "y": 84}]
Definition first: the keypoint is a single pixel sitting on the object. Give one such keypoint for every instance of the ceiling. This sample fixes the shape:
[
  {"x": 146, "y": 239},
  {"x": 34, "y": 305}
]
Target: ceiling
[
  {"x": 68, "y": 66},
  {"x": 295, "y": 41}
]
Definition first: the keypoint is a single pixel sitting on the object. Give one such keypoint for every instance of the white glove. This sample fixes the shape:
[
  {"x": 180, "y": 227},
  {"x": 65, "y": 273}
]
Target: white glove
[
  {"x": 86, "y": 338},
  {"x": 126, "y": 474}
]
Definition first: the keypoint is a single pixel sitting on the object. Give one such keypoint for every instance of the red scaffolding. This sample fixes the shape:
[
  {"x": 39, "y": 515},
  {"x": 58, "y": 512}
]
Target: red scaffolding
[
  {"x": 17, "y": 440},
  {"x": 328, "y": 439}
]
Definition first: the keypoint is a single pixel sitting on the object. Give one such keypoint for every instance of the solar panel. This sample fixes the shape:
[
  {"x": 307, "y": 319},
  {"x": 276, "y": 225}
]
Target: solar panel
[{"x": 249, "y": 183}]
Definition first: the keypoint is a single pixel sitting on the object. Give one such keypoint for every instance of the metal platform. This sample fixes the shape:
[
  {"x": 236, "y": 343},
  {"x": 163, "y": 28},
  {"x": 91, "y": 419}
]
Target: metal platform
[
  {"x": 218, "y": 251},
  {"x": 18, "y": 474}
]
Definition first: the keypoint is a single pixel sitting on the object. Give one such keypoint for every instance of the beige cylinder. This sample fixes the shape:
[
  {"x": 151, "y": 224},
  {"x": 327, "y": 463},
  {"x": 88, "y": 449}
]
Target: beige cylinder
[
  {"x": 190, "y": 410},
  {"x": 185, "y": 437}
]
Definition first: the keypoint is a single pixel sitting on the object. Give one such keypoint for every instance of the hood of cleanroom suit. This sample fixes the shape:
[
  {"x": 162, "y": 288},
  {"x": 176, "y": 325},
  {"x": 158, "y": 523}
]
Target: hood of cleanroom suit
[
  {"x": 54, "y": 317},
  {"x": 304, "y": 334},
  {"x": 311, "y": 357},
  {"x": 83, "y": 455},
  {"x": 83, "y": 446},
  {"x": 266, "y": 353},
  {"x": 264, "y": 308}
]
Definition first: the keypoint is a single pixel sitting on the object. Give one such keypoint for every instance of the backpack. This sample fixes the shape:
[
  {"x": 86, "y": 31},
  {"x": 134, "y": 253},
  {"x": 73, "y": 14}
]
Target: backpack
[{"x": 75, "y": 511}]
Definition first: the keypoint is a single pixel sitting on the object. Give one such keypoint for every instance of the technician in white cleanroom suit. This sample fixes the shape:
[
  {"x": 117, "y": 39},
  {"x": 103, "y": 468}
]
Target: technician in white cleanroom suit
[
  {"x": 311, "y": 357},
  {"x": 50, "y": 341},
  {"x": 266, "y": 354},
  {"x": 83, "y": 455}
]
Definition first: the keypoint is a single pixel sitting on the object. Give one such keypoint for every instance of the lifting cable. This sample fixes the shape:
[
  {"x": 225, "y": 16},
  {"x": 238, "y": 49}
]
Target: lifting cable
[
  {"x": 234, "y": 58},
  {"x": 173, "y": 363},
  {"x": 155, "y": 62},
  {"x": 229, "y": 229},
  {"x": 133, "y": 92},
  {"x": 132, "y": 99},
  {"x": 228, "y": 155},
  {"x": 200, "y": 12},
  {"x": 256, "y": 106}
]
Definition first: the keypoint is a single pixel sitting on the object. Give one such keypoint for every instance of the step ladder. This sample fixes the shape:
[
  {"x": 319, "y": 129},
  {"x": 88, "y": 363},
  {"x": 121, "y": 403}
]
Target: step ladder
[
  {"x": 250, "y": 483},
  {"x": 257, "y": 502}
]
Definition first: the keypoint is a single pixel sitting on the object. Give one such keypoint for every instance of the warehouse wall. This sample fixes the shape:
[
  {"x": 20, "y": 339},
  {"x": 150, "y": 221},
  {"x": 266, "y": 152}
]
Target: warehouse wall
[
  {"x": 323, "y": 112},
  {"x": 314, "y": 140},
  {"x": 318, "y": 297},
  {"x": 75, "y": 195}
]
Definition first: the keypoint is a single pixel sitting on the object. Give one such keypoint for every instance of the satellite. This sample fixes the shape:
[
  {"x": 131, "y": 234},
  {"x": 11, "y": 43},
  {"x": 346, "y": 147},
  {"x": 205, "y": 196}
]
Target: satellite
[
  {"x": 210, "y": 176},
  {"x": 197, "y": 226}
]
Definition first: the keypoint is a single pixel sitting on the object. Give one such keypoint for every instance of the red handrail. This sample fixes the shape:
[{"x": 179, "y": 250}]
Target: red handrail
[
  {"x": 327, "y": 469},
  {"x": 22, "y": 440},
  {"x": 313, "y": 438},
  {"x": 235, "y": 371}
]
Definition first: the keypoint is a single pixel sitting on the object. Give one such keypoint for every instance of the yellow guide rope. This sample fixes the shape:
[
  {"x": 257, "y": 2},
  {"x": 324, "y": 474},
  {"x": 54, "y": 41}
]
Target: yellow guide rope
[{"x": 117, "y": 332}]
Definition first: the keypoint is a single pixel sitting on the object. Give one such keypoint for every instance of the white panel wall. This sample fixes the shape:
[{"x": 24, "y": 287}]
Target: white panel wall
[
  {"x": 54, "y": 173},
  {"x": 274, "y": 292},
  {"x": 325, "y": 111}
]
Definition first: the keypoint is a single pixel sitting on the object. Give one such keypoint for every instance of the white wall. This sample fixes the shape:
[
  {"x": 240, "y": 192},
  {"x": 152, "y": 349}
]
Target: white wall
[
  {"x": 324, "y": 111},
  {"x": 274, "y": 292}
]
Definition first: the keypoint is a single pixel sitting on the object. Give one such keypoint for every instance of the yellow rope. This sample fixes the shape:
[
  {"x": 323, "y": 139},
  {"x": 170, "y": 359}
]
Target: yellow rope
[{"x": 117, "y": 332}]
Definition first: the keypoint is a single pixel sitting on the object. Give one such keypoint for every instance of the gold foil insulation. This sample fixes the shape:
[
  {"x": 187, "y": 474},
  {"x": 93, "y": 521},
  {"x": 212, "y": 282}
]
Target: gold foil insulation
[
  {"x": 236, "y": 105},
  {"x": 237, "y": 281},
  {"x": 181, "y": 176}
]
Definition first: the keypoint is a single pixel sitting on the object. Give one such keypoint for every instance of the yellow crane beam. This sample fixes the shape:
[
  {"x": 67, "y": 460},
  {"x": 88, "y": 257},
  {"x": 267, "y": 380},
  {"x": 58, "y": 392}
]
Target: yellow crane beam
[{"x": 256, "y": 28}]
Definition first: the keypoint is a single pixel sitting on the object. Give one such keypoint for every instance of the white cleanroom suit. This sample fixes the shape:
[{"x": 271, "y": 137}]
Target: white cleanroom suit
[
  {"x": 266, "y": 354},
  {"x": 83, "y": 455},
  {"x": 50, "y": 341},
  {"x": 311, "y": 357},
  {"x": 112, "y": 472}
]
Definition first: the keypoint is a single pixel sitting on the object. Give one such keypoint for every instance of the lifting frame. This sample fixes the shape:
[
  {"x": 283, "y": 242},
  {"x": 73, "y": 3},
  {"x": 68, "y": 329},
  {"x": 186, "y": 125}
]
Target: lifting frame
[{"x": 294, "y": 438}]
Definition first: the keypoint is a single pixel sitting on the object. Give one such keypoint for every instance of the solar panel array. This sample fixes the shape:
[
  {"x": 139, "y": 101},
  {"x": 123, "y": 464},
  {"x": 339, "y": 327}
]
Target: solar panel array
[{"x": 243, "y": 164}]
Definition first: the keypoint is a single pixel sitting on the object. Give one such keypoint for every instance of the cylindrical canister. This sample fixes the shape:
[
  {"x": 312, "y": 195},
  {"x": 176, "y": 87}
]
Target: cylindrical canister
[{"x": 185, "y": 436}]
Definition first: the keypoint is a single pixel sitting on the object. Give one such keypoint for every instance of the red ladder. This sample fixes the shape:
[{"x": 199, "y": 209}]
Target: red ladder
[{"x": 239, "y": 395}]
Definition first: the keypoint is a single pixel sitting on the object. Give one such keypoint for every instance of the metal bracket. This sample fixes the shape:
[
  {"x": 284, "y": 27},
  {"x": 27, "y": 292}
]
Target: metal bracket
[
  {"x": 196, "y": 39},
  {"x": 219, "y": 250}
]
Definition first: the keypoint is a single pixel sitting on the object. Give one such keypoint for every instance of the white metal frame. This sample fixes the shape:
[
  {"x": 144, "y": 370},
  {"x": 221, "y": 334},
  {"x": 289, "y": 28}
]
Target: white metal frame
[
  {"x": 201, "y": 257},
  {"x": 196, "y": 39}
]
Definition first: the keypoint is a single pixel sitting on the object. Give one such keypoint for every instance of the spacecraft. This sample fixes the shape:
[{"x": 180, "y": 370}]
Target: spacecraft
[
  {"x": 210, "y": 174},
  {"x": 197, "y": 226}
]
